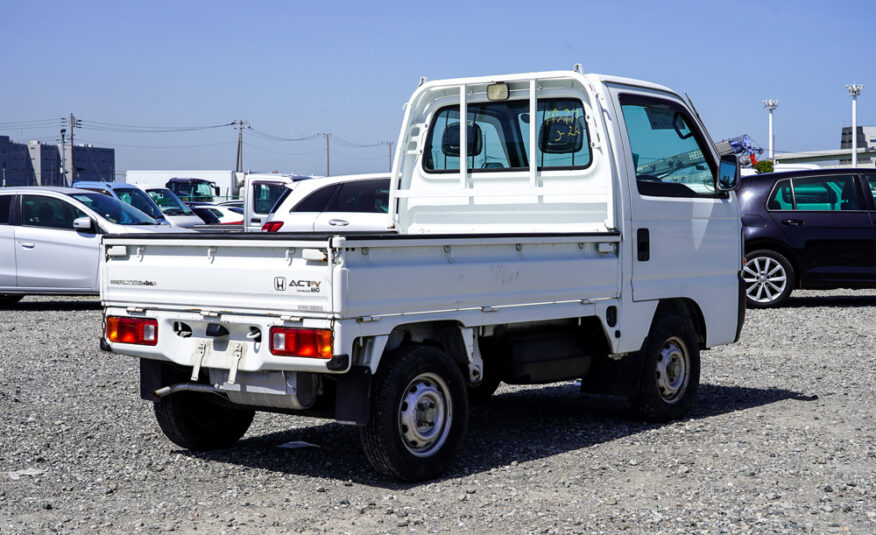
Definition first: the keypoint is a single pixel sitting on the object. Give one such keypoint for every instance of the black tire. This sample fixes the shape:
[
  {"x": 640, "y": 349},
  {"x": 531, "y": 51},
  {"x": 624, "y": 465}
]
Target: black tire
[
  {"x": 8, "y": 299},
  {"x": 419, "y": 414},
  {"x": 195, "y": 421},
  {"x": 670, "y": 372},
  {"x": 769, "y": 278}
]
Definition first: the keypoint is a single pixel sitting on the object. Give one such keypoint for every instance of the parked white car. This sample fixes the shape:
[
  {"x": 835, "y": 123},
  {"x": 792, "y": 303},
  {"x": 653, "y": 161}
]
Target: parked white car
[
  {"x": 174, "y": 210},
  {"x": 351, "y": 202},
  {"x": 50, "y": 239},
  {"x": 219, "y": 214}
]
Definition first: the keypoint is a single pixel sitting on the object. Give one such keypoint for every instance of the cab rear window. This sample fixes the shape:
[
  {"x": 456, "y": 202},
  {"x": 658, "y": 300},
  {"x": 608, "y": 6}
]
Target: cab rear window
[{"x": 497, "y": 136}]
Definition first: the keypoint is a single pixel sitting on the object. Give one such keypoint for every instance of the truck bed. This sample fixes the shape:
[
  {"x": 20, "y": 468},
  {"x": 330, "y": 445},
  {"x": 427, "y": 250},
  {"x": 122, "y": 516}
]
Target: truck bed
[{"x": 356, "y": 274}]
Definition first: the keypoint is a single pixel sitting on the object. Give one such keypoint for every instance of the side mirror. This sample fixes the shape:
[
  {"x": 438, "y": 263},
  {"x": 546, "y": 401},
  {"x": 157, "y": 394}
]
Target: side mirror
[
  {"x": 728, "y": 173},
  {"x": 83, "y": 224}
]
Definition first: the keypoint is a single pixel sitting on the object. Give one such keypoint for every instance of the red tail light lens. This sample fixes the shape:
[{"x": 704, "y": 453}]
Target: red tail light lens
[
  {"x": 314, "y": 343},
  {"x": 272, "y": 226},
  {"x": 140, "y": 331}
]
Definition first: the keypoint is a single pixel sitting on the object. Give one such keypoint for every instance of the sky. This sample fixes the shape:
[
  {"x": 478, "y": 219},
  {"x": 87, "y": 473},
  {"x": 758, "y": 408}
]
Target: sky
[{"x": 294, "y": 69}]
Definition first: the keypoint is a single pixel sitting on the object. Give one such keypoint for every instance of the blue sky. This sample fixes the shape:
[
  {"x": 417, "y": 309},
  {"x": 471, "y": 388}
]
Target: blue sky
[{"x": 293, "y": 69}]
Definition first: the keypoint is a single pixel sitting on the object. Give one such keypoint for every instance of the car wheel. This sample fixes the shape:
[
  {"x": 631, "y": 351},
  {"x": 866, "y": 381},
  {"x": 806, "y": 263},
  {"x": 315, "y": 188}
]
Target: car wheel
[
  {"x": 769, "y": 278},
  {"x": 419, "y": 413},
  {"x": 671, "y": 370},
  {"x": 6, "y": 299},
  {"x": 195, "y": 421}
]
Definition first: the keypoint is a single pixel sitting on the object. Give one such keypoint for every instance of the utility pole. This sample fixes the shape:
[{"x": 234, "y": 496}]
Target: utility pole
[
  {"x": 71, "y": 177},
  {"x": 389, "y": 145},
  {"x": 771, "y": 104},
  {"x": 64, "y": 157},
  {"x": 854, "y": 91},
  {"x": 239, "y": 125},
  {"x": 327, "y": 168}
]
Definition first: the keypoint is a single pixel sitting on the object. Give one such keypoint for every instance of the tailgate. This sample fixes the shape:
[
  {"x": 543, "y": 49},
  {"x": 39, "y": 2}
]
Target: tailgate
[{"x": 218, "y": 273}]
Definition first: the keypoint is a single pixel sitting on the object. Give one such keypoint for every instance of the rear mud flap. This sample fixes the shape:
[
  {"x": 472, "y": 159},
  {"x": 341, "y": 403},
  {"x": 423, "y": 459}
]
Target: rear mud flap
[{"x": 353, "y": 395}]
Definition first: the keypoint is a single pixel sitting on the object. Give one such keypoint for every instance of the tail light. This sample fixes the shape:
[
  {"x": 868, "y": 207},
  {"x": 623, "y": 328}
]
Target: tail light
[
  {"x": 272, "y": 226},
  {"x": 314, "y": 343},
  {"x": 140, "y": 331}
]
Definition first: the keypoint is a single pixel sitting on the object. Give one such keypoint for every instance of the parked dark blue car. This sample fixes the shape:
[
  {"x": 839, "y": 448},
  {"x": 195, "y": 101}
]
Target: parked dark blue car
[{"x": 808, "y": 229}]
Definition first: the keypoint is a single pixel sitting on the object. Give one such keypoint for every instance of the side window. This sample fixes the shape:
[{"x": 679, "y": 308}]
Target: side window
[
  {"x": 826, "y": 193},
  {"x": 317, "y": 201},
  {"x": 781, "y": 198},
  {"x": 5, "y": 208},
  {"x": 871, "y": 186},
  {"x": 497, "y": 136},
  {"x": 48, "y": 212},
  {"x": 668, "y": 152},
  {"x": 265, "y": 195},
  {"x": 362, "y": 196}
]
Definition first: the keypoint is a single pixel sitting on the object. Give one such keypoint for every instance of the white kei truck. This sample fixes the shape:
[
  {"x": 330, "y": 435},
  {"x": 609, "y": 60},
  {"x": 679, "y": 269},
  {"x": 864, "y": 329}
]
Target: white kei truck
[{"x": 592, "y": 234}]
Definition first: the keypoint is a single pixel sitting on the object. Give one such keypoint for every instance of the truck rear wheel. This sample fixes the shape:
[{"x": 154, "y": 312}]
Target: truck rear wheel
[
  {"x": 196, "y": 421},
  {"x": 671, "y": 371},
  {"x": 419, "y": 413}
]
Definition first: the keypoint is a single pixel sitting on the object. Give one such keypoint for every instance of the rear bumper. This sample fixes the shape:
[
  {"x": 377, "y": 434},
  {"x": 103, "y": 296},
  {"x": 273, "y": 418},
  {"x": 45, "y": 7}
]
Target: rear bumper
[{"x": 183, "y": 340}]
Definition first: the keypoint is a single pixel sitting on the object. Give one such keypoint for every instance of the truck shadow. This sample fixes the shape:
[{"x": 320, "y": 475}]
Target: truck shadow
[
  {"x": 517, "y": 426},
  {"x": 54, "y": 305}
]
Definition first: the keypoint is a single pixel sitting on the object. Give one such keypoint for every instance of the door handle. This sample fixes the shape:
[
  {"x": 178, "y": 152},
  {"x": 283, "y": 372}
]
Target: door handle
[
  {"x": 338, "y": 222},
  {"x": 255, "y": 220},
  {"x": 27, "y": 244},
  {"x": 793, "y": 222}
]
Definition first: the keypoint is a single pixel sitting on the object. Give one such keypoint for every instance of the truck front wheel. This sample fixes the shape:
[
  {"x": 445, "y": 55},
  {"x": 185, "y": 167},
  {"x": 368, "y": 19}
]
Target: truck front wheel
[
  {"x": 671, "y": 372},
  {"x": 419, "y": 413},
  {"x": 195, "y": 421}
]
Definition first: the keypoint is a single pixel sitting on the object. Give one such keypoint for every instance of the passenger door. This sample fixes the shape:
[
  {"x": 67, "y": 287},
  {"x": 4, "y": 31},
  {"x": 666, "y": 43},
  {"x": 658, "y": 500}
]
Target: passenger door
[
  {"x": 686, "y": 236},
  {"x": 260, "y": 198},
  {"x": 360, "y": 205},
  {"x": 829, "y": 227},
  {"x": 49, "y": 253},
  {"x": 7, "y": 242},
  {"x": 302, "y": 216}
]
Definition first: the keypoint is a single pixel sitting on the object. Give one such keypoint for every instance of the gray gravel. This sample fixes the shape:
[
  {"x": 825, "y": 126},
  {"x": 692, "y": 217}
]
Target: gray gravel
[{"x": 781, "y": 440}]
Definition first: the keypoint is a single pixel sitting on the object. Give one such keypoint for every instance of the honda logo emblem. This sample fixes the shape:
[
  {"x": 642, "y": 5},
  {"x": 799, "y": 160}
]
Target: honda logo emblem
[{"x": 280, "y": 284}]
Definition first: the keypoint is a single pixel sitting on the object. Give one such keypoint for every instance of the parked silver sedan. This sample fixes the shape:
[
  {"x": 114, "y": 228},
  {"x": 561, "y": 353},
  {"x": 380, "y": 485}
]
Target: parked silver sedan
[{"x": 50, "y": 239}]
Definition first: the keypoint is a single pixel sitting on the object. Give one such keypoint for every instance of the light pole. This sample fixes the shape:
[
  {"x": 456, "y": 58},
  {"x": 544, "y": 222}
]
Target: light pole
[
  {"x": 771, "y": 104},
  {"x": 854, "y": 91}
]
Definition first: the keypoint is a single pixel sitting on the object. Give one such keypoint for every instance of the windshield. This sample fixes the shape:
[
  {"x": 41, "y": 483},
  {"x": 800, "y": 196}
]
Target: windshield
[
  {"x": 139, "y": 200},
  {"x": 113, "y": 210},
  {"x": 200, "y": 191},
  {"x": 168, "y": 202}
]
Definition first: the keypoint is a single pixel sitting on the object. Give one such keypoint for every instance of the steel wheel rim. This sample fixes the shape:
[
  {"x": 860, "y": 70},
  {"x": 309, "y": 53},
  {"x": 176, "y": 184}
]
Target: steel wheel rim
[
  {"x": 673, "y": 370},
  {"x": 424, "y": 415},
  {"x": 765, "y": 279}
]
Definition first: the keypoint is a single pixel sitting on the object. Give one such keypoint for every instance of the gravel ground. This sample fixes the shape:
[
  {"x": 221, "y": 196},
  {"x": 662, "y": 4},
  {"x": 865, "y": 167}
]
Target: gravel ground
[{"x": 781, "y": 440}]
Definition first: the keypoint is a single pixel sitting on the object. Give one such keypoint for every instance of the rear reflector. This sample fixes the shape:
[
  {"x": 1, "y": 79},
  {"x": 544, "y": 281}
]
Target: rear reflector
[
  {"x": 141, "y": 331},
  {"x": 313, "y": 343},
  {"x": 272, "y": 226}
]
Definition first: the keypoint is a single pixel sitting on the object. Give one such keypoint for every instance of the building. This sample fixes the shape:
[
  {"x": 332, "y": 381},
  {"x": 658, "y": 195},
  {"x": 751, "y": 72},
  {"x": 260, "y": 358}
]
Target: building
[
  {"x": 42, "y": 164},
  {"x": 866, "y": 139},
  {"x": 93, "y": 163},
  {"x": 45, "y": 160},
  {"x": 16, "y": 168}
]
